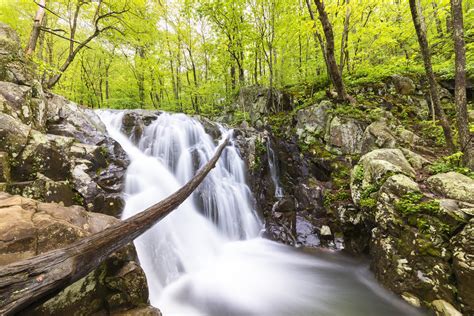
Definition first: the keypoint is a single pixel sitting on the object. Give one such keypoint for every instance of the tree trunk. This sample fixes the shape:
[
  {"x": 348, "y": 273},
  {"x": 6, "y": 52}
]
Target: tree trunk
[
  {"x": 460, "y": 90},
  {"x": 420, "y": 28},
  {"x": 35, "y": 32},
  {"x": 439, "y": 27},
  {"x": 335, "y": 74},
  {"x": 345, "y": 39},
  {"x": 141, "y": 76},
  {"x": 318, "y": 39},
  {"x": 25, "y": 282}
]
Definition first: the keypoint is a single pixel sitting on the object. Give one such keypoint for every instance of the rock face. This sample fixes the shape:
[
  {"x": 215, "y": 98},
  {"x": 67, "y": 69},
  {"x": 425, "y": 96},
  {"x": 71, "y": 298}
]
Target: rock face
[
  {"x": 258, "y": 102},
  {"x": 29, "y": 227},
  {"x": 417, "y": 242},
  {"x": 53, "y": 149},
  {"x": 453, "y": 185},
  {"x": 344, "y": 136}
]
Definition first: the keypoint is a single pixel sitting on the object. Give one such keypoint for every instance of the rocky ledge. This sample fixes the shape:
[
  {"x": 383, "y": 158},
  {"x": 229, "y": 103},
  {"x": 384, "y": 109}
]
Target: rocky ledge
[
  {"x": 29, "y": 228},
  {"x": 61, "y": 167},
  {"x": 421, "y": 231}
]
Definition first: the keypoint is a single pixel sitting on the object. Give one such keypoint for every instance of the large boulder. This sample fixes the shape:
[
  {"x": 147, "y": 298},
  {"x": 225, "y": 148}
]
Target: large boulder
[
  {"x": 378, "y": 135},
  {"x": 311, "y": 121},
  {"x": 403, "y": 85},
  {"x": 376, "y": 167},
  {"x": 258, "y": 102},
  {"x": 417, "y": 241},
  {"x": 29, "y": 227},
  {"x": 452, "y": 185},
  {"x": 13, "y": 66},
  {"x": 344, "y": 135}
]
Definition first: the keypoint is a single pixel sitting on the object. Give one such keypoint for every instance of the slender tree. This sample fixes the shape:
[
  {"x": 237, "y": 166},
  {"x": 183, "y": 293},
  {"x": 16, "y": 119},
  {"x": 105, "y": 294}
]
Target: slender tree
[
  {"x": 420, "y": 27},
  {"x": 35, "y": 32},
  {"x": 465, "y": 139},
  {"x": 76, "y": 46},
  {"x": 333, "y": 68}
]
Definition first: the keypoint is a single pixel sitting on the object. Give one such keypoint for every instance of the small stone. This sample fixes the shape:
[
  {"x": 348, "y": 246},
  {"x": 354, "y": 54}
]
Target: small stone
[
  {"x": 325, "y": 231},
  {"x": 443, "y": 308},
  {"x": 411, "y": 299}
]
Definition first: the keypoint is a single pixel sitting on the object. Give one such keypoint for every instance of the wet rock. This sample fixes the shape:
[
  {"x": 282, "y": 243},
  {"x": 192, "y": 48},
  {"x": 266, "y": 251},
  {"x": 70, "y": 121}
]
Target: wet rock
[
  {"x": 463, "y": 266},
  {"x": 29, "y": 227},
  {"x": 411, "y": 299},
  {"x": 284, "y": 205},
  {"x": 135, "y": 121},
  {"x": 452, "y": 185},
  {"x": 66, "y": 118}
]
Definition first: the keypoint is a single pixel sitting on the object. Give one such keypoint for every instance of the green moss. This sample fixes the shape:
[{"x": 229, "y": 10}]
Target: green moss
[
  {"x": 451, "y": 163},
  {"x": 281, "y": 123},
  {"x": 368, "y": 203},
  {"x": 412, "y": 204},
  {"x": 334, "y": 197},
  {"x": 358, "y": 173}
]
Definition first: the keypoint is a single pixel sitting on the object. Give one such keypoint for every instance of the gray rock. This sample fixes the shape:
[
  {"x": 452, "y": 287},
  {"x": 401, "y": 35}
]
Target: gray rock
[
  {"x": 403, "y": 85},
  {"x": 344, "y": 136},
  {"x": 312, "y": 120},
  {"x": 378, "y": 135},
  {"x": 463, "y": 266},
  {"x": 452, "y": 185}
]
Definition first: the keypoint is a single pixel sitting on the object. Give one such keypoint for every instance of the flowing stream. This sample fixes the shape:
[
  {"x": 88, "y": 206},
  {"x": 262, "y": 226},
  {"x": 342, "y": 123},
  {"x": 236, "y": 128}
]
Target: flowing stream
[
  {"x": 206, "y": 257},
  {"x": 273, "y": 166}
]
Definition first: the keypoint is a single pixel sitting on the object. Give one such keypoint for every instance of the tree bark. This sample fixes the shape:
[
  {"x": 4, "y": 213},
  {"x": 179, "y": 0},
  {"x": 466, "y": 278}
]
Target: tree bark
[
  {"x": 25, "y": 282},
  {"x": 420, "y": 28},
  {"x": 460, "y": 89},
  {"x": 35, "y": 32},
  {"x": 344, "y": 55},
  {"x": 439, "y": 27},
  {"x": 335, "y": 74}
]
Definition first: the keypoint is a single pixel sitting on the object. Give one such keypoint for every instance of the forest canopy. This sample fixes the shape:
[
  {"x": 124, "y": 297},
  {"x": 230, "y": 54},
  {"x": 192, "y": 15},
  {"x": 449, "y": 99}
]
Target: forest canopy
[{"x": 194, "y": 55}]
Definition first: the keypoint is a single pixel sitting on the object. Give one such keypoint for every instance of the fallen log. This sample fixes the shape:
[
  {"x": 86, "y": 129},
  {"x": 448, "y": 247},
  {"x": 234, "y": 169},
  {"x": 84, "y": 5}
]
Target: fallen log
[{"x": 26, "y": 282}]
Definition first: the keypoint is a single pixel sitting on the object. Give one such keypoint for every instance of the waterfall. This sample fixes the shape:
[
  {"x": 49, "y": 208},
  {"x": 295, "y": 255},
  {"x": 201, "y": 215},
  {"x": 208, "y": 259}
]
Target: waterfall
[
  {"x": 206, "y": 257},
  {"x": 274, "y": 170}
]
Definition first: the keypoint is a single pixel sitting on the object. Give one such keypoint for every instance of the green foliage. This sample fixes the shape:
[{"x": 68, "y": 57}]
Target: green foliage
[
  {"x": 349, "y": 111},
  {"x": 413, "y": 203},
  {"x": 451, "y": 163},
  {"x": 181, "y": 55},
  {"x": 432, "y": 130},
  {"x": 280, "y": 123},
  {"x": 358, "y": 174},
  {"x": 332, "y": 198}
]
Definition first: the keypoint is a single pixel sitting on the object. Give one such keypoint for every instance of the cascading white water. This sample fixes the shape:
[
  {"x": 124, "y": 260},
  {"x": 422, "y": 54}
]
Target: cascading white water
[
  {"x": 274, "y": 171},
  {"x": 206, "y": 257}
]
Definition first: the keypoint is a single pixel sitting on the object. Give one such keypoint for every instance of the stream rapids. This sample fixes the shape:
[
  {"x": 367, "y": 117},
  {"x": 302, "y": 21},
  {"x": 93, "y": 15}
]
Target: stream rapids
[{"x": 208, "y": 257}]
